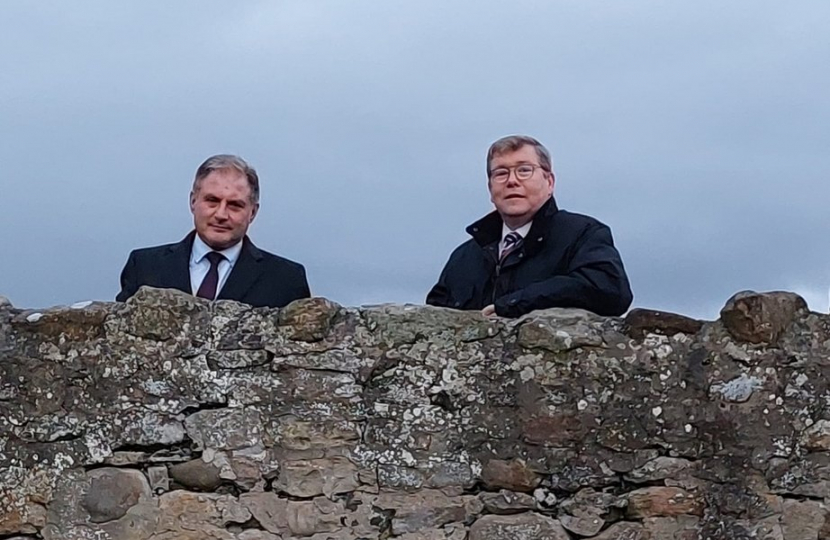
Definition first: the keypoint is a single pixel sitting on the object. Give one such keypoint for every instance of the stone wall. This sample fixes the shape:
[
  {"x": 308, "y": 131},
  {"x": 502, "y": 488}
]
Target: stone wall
[{"x": 171, "y": 418}]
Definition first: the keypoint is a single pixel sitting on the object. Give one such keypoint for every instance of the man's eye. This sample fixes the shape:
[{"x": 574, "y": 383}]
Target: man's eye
[
  {"x": 500, "y": 173},
  {"x": 524, "y": 170}
]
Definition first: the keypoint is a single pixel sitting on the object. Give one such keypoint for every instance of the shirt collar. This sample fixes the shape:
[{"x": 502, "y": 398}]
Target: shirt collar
[
  {"x": 200, "y": 250},
  {"x": 523, "y": 230}
]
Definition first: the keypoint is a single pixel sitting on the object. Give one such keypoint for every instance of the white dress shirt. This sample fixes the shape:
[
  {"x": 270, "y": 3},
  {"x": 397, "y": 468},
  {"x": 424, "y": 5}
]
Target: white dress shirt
[
  {"x": 505, "y": 230},
  {"x": 199, "y": 264}
]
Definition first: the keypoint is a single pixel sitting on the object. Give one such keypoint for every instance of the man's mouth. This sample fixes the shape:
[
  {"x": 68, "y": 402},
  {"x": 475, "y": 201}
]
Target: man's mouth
[{"x": 514, "y": 196}]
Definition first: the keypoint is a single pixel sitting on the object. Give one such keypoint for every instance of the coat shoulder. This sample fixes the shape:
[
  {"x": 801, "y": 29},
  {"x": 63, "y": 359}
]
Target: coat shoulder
[
  {"x": 576, "y": 220},
  {"x": 282, "y": 263},
  {"x": 466, "y": 249},
  {"x": 152, "y": 251}
]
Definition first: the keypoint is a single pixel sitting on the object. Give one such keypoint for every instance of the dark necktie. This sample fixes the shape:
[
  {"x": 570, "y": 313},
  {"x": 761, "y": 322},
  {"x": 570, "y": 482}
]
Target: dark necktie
[
  {"x": 208, "y": 287},
  {"x": 511, "y": 243}
]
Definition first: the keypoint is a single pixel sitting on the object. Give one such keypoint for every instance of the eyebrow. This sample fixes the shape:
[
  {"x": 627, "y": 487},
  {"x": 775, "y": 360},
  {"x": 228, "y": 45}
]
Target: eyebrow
[{"x": 516, "y": 165}]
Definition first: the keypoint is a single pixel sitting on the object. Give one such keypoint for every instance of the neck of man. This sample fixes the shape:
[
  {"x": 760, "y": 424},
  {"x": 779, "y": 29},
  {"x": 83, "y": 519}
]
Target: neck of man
[{"x": 515, "y": 222}]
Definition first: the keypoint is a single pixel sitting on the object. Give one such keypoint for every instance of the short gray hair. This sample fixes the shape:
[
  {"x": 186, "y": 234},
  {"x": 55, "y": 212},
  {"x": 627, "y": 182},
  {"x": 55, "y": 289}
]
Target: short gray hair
[
  {"x": 511, "y": 143},
  {"x": 223, "y": 162}
]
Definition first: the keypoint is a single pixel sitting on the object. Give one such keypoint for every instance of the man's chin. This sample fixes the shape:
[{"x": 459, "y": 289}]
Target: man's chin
[
  {"x": 514, "y": 211},
  {"x": 218, "y": 242}
]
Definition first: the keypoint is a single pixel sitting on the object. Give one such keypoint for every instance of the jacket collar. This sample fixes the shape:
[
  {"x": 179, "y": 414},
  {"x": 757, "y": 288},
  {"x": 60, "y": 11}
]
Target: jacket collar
[
  {"x": 178, "y": 263},
  {"x": 243, "y": 275},
  {"x": 487, "y": 230}
]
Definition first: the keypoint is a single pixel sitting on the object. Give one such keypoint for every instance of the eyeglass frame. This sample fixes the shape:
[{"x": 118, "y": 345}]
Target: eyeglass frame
[{"x": 515, "y": 170}]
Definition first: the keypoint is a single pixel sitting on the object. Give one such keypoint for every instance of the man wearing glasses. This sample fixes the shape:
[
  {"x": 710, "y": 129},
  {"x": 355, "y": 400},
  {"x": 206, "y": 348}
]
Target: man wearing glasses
[{"x": 528, "y": 254}]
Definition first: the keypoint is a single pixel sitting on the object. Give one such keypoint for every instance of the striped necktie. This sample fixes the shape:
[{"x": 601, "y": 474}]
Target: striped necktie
[{"x": 511, "y": 243}]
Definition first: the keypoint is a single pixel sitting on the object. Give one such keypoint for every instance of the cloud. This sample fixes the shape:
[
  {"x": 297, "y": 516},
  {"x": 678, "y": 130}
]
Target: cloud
[{"x": 697, "y": 132}]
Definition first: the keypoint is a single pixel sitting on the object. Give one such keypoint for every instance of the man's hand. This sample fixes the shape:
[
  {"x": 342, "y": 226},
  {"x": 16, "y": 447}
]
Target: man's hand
[{"x": 489, "y": 311}]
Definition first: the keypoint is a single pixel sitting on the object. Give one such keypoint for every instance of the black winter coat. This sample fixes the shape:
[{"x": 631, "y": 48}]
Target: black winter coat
[{"x": 566, "y": 260}]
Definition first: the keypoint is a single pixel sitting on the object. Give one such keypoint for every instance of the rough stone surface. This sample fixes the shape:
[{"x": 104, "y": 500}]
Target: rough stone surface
[
  {"x": 761, "y": 318},
  {"x": 641, "y": 322},
  {"x": 172, "y": 418},
  {"x": 529, "y": 526},
  {"x": 514, "y": 475},
  {"x": 112, "y": 492}
]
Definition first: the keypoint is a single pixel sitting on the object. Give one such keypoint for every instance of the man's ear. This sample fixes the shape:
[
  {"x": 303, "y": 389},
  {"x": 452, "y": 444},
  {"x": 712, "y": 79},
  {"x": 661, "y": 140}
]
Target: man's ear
[
  {"x": 552, "y": 180},
  {"x": 254, "y": 212},
  {"x": 192, "y": 200}
]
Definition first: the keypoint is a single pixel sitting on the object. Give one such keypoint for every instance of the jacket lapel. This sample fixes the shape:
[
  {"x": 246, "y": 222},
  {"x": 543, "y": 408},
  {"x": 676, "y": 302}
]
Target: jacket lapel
[
  {"x": 487, "y": 233},
  {"x": 245, "y": 273},
  {"x": 177, "y": 264},
  {"x": 540, "y": 229}
]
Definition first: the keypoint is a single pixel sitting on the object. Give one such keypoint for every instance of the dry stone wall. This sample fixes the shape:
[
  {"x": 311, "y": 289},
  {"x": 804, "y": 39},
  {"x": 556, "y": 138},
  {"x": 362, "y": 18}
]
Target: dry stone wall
[{"x": 171, "y": 418}]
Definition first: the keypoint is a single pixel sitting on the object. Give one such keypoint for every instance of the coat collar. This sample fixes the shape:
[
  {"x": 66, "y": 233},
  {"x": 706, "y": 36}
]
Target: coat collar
[
  {"x": 487, "y": 230},
  {"x": 245, "y": 272},
  {"x": 178, "y": 263}
]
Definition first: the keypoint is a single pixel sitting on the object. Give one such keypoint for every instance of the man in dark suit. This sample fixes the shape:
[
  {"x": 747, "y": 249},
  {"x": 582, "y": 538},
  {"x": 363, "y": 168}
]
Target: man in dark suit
[
  {"x": 217, "y": 261},
  {"x": 528, "y": 254}
]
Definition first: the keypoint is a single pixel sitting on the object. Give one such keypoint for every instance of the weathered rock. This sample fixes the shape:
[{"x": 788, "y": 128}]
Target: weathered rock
[
  {"x": 817, "y": 436},
  {"x": 518, "y": 527},
  {"x": 662, "y": 501},
  {"x": 659, "y": 468},
  {"x": 225, "y": 429},
  {"x": 197, "y": 474},
  {"x": 158, "y": 478},
  {"x": 761, "y": 317},
  {"x": 112, "y": 492},
  {"x": 448, "y": 533},
  {"x": 682, "y": 527},
  {"x": 626, "y": 531},
  {"x": 587, "y": 512},
  {"x": 648, "y": 321},
  {"x": 582, "y": 522},
  {"x": 320, "y": 422},
  {"x": 412, "y": 512},
  {"x": 506, "y": 502},
  {"x": 308, "y": 319},
  {"x": 559, "y": 330},
  {"x": 309, "y": 478},
  {"x": 803, "y": 520},
  {"x": 514, "y": 475},
  {"x": 193, "y": 516}
]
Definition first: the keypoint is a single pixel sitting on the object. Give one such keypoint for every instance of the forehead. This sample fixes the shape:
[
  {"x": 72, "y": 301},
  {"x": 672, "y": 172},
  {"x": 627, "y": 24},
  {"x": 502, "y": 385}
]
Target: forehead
[
  {"x": 226, "y": 181},
  {"x": 525, "y": 154}
]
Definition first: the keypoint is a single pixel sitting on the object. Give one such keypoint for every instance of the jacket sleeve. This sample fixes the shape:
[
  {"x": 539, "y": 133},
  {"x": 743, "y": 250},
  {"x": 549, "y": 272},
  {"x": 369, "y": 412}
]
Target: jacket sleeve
[
  {"x": 439, "y": 295},
  {"x": 129, "y": 280},
  {"x": 595, "y": 281},
  {"x": 305, "y": 290}
]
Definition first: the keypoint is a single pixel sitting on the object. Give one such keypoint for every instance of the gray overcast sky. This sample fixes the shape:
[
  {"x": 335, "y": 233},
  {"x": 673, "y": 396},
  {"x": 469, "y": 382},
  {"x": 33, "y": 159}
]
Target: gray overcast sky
[{"x": 699, "y": 131}]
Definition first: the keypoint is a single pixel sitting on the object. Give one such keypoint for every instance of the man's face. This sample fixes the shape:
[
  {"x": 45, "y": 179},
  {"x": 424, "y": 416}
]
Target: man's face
[
  {"x": 518, "y": 200},
  {"x": 222, "y": 208}
]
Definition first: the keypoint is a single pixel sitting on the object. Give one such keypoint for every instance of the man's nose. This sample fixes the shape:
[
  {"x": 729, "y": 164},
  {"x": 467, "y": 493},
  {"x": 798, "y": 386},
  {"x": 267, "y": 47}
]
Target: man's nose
[
  {"x": 512, "y": 178},
  {"x": 222, "y": 211}
]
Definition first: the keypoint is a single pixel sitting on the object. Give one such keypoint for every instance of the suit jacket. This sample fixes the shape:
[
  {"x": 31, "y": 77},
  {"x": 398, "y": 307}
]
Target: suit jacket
[{"x": 258, "y": 278}]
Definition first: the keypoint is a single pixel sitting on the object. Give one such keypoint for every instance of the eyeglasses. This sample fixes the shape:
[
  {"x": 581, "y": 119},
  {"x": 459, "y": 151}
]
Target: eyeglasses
[{"x": 523, "y": 172}]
